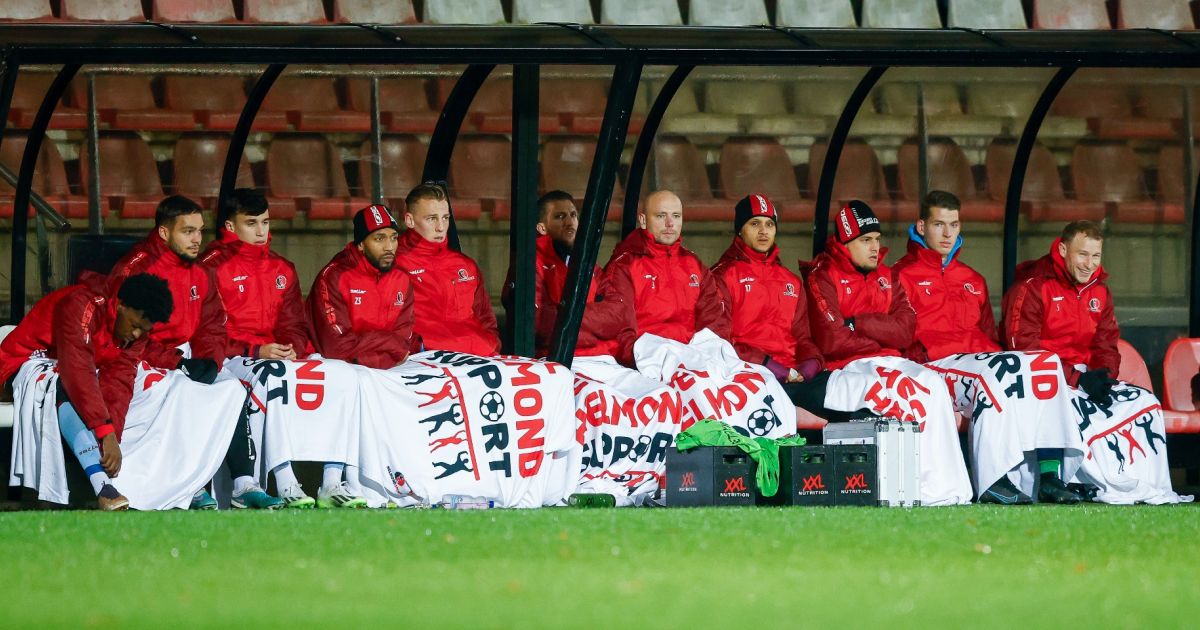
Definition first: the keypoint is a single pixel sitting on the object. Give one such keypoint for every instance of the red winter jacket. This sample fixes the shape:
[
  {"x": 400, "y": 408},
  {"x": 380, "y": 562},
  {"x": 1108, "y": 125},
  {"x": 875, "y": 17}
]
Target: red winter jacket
[
  {"x": 954, "y": 314},
  {"x": 261, "y": 295},
  {"x": 453, "y": 310},
  {"x": 648, "y": 288},
  {"x": 360, "y": 315},
  {"x": 760, "y": 308},
  {"x": 1046, "y": 309},
  {"x": 75, "y": 325},
  {"x": 198, "y": 317},
  {"x": 883, "y": 319},
  {"x": 550, "y": 276}
]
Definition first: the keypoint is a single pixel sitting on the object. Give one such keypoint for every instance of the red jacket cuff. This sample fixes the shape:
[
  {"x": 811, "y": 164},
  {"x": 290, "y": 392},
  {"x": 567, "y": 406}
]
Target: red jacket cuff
[{"x": 103, "y": 430}]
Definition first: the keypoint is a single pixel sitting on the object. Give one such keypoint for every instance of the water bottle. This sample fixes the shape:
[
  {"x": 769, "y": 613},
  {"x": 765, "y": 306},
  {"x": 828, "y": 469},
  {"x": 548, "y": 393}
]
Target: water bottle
[
  {"x": 462, "y": 502},
  {"x": 591, "y": 500}
]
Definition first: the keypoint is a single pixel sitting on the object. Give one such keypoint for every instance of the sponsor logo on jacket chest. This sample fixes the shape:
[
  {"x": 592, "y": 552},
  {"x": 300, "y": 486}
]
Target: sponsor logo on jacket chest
[{"x": 463, "y": 276}]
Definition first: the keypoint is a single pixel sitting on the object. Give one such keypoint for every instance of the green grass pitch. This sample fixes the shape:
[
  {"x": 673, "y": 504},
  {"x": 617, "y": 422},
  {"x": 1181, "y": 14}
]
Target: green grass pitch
[{"x": 1038, "y": 566}]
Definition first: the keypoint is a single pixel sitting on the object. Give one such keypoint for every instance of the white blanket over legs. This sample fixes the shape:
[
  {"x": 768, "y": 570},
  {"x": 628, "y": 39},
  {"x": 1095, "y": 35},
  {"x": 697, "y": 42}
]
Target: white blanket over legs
[
  {"x": 457, "y": 424},
  {"x": 1127, "y": 448},
  {"x": 714, "y": 383},
  {"x": 626, "y": 424},
  {"x": 1017, "y": 402},
  {"x": 175, "y": 437},
  {"x": 305, "y": 411},
  {"x": 898, "y": 388}
]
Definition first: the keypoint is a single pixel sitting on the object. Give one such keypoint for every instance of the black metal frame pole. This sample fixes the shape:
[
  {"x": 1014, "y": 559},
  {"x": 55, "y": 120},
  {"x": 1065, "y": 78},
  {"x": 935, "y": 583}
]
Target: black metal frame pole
[
  {"x": 445, "y": 134},
  {"x": 237, "y": 141},
  {"x": 20, "y": 225},
  {"x": 95, "y": 222},
  {"x": 923, "y": 146},
  {"x": 833, "y": 153},
  {"x": 1012, "y": 201},
  {"x": 376, "y": 145},
  {"x": 641, "y": 153},
  {"x": 8, "y": 84},
  {"x": 521, "y": 237},
  {"x": 601, "y": 179}
]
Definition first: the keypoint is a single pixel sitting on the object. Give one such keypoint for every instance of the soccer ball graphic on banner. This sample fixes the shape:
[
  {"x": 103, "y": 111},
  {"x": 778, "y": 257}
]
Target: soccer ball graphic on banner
[
  {"x": 762, "y": 421},
  {"x": 491, "y": 406}
]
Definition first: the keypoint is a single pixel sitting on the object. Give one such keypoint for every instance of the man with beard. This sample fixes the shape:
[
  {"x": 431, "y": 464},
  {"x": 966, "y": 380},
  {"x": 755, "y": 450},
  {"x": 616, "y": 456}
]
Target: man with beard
[
  {"x": 1029, "y": 425},
  {"x": 197, "y": 324},
  {"x": 453, "y": 311},
  {"x": 360, "y": 310},
  {"x": 558, "y": 220}
]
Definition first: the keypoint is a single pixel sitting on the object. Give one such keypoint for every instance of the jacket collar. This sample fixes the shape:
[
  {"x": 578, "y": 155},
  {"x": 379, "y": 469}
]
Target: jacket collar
[
  {"x": 919, "y": 248},
  {"x": 739, "y": 250},
  {"x": 237, "y": 246},
  {"x": 640, "y": 242},
  {"x": 840, "y": 256},
  {"x": 412, "y": 241},
  {"x": 356, "y": 260},
  {"x": 158, "y": 249}
]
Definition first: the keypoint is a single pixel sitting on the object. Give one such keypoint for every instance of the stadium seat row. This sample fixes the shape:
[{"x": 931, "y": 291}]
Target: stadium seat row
[
  {"x": 304, "y": 172},
  {"x": 982, "y": 14}
]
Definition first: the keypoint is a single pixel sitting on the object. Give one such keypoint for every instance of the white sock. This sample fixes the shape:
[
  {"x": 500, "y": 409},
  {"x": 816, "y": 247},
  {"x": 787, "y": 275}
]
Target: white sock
[
  {"x": 352, "y": 480},
  {"x": 332, "y": 475},
  {"x": 242, "y": 484},
  {"x": 98, "y": 480},
  {"x": 285, "y": 477}
]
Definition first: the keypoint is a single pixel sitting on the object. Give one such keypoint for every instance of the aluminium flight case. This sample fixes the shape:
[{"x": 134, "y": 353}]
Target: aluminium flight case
[{"x": 897, "y": 461}]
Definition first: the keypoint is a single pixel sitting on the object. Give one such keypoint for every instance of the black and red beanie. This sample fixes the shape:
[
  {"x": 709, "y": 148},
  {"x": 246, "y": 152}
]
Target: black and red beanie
[
  {"x": 371, "y": 218},
  {"x": 750, "y": 206},
  {"x": 853, "y": 220}
]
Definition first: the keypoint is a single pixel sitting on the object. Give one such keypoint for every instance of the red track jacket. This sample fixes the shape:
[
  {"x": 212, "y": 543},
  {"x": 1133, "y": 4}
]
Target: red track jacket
[
  {"x": 198, "y": 317},
  {"x": 453, "y": 310},
  {"x": 953, "y": 312},
  {"x": 648, "y": 288},
  {"x": 761, "y": 307},
  {"x": 261, "y": 295},
  {"x": 883, "y": 319},
  {"x": 1045, "y": 309},
  {"x": 550, "y": 276},
  {"x": 360, "y": 315},
  {"x": 75, "y": 325}
]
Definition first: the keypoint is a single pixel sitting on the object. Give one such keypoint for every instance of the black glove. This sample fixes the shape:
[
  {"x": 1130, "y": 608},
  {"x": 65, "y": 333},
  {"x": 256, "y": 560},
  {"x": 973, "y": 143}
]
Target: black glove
[
  {"x": 199, "y": 370},
  {"x": 1097, "y": 385}
]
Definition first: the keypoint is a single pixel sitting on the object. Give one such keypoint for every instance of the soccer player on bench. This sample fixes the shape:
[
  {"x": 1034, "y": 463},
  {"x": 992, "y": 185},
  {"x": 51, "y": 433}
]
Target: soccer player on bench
[
  {"x": 1031, "y": 418},
  {"x": 1060, "y": 303},
  {"x": 361, "y": 311},
  {"x": 197, "y": 322},
  {"x": 98, "y": 342},
  {"x": 862, "y": 322},
  {"x": 453, "y": 310},
  {"x": 558, "y": 221}
]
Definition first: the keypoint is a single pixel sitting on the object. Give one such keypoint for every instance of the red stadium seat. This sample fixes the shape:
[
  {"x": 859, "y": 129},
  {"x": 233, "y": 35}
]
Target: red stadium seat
[
  {"x": 566, "y": 165},
  {"x": 284, "y": 11},
  {"x": 579, "y": 104},
  {"x": 755, "y": 164},
  {"x": 1180, "y": 366},
  {"x": 126, "y": 101},
  {"x": 403, "y": 103},
  {"x": 374, "y": 11},
  {"x": 27, "y": 98},
  {"x": 481, "y": 176},
  {"x": 1109, "y": 112},
  {"x": 199, "y": 164},
  {"x": 1042, "y": 196},
  {"x": 216, "y": 102},
  {"x": 49, "y": 178},
  {"x": 1133, "y": 367},
  {"x": 949, "y": 170},
  {"x": 1172, "y": 184},
  {"x": 403, "y": 160},
  {"x": 859, "y": 176},
  {"x": 1108, "y": 172},
  {"x": 210, "y": 11},
  {"x": 1071, "y": 14},
  {"x": 676, "y": 165},
  {"x": 1168, "y": 15},
  {"x": 129, "y": 178},
  {"x": 311, "y": 104},
  {"x": 306, "y": 170},
  {"x": 491, "y": 111},
  {"x": 26, "y": 10},
  {"x": 106, "y": 11}
]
